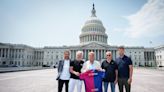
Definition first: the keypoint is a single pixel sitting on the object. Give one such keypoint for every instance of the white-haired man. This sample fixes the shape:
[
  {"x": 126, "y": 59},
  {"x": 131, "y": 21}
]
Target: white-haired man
[
  {"x": 92, "y": 74},
  {"x": 75, "y": 69},
  {"x": 91, "y": 64}
]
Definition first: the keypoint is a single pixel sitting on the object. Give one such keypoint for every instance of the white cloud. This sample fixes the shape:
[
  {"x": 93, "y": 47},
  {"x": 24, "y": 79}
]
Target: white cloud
[{"x": 148, "y": 21}]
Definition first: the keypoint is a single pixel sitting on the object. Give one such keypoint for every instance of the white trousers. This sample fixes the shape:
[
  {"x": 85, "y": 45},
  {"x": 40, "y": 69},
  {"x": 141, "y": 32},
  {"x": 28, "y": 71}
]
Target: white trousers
[{"x": 73, "y": 83}]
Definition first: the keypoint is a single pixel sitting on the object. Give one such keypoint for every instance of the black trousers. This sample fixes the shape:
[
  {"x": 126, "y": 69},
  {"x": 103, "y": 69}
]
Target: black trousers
[
  {"x": 61, "y": 83},
  {"x": 123, "y": 82}
]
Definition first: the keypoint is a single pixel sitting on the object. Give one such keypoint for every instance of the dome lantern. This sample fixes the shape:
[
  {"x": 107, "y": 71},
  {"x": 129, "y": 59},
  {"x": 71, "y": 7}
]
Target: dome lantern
[{"x": 93, "y": 11}]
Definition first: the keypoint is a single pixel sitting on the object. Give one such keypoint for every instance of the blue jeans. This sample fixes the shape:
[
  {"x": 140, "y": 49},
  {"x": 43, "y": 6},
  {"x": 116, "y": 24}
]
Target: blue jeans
[{"x": 112, "y": 86}]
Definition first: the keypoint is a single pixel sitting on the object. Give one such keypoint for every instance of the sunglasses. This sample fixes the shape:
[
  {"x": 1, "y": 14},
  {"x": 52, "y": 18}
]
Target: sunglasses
[{"x": 108, "y": 55}]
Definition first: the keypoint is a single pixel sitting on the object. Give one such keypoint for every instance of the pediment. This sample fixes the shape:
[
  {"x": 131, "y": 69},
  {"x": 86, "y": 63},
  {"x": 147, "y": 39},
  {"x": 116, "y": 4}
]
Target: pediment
[{"x": 94, "y": 45}]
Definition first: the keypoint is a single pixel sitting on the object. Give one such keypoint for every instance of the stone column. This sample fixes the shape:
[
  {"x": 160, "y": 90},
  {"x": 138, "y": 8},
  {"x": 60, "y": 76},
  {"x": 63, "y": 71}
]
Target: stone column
[
  {"x": 98, "y": 54},
  {"x": 74, "y": 54},
  {"x": 14, "y": 53},
  {"x": 92, "y": 37},
  {"x": 0, "y": 52},
  {"x": 85, "y": 54},
  {"x": 102, "y": 38},
  {"x": 98, "y": 37},
  {"x": 101, "y": 54},
  {"x": 8, "y": 55},
  {"x": 4, "y": 53},
  {"x": 71, "y": 54},
  {"x": 104, "y": 53},
  {"x": 8, "y": 52},
  {"x": 85, "y": 37},
  {"x": 89, "y": 37},
  {"x": 113, "y": 54}
]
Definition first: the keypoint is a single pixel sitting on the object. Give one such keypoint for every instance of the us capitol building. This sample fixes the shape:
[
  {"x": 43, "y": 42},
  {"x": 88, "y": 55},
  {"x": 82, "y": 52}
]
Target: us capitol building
[{"x": 92, "y": 38}]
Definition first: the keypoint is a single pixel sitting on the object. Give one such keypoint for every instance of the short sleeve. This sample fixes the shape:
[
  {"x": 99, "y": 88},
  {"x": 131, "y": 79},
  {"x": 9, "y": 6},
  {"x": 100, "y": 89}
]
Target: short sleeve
[
  {"x": 72, "y": 63},
  {"x": 116, "y": 66},
  {"x": 102, "y": 65},
  {"x": 83, "y": 68},
  {"x": 130, "y": 61}
]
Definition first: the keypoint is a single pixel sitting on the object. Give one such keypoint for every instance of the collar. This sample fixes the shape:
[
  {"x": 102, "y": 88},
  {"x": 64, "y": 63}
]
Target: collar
[
  {"x": 108, "y": 62},
  {"x": 111, "y": 62},
  {"x": 122, "y": 57},
  {"x": 66, "y": 59}
]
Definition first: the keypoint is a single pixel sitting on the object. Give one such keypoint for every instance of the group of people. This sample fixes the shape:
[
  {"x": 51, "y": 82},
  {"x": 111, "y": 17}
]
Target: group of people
[{"x": 119, "y": 71}]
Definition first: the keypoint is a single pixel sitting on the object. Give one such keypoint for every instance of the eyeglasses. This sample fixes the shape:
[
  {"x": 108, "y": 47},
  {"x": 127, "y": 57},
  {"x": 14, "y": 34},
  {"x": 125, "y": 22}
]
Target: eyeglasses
[{"x": 108, "y": 55}]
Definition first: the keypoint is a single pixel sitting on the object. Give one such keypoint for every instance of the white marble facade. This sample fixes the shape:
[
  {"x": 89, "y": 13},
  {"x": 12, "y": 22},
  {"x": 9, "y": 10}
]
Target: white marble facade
[
  {"x": 22, "y": 55},
  {"x": 159, "y": 54}
]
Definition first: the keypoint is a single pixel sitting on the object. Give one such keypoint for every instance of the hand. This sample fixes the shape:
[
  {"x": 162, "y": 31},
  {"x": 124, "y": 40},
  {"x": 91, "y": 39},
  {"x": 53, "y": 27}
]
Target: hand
[
  {"x": 129, "y": 80},
  {"x": 77, "y": 73},
  {"x": 99, "y": 69},
  {"x": 115, "y": 82},
  {"x": 103, "y": 70}
]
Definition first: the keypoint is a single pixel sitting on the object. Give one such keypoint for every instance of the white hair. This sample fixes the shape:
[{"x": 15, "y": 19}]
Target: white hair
[
  {"x": 79, "y": 52},
  {"x": 91, "y": 53},
  {"x": 108, "y": 52}
]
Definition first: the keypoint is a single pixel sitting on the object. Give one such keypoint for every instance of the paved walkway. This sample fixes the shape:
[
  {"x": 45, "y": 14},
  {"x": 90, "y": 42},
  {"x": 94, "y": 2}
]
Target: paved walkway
[
  {"x": 144, "y": 80},
  {"x": 16, "y": 69}
]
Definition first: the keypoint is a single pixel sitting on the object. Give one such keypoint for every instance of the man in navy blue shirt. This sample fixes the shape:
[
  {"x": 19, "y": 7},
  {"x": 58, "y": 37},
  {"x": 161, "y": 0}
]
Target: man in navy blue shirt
[{"x": 125, "y": 70}]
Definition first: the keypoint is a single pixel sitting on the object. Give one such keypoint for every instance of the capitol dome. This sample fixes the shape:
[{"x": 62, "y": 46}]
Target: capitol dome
[{"x": 93, "y": 30}]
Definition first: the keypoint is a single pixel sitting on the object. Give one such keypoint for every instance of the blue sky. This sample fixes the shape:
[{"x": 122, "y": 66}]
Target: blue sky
[{"x": 40, "y": 23}]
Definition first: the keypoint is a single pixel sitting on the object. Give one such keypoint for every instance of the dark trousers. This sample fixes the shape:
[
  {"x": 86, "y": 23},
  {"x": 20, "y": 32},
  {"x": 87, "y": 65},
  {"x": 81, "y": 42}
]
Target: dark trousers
[
  {"x": 123, "y": 82},
  {"x": 61, "y": 83}
]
